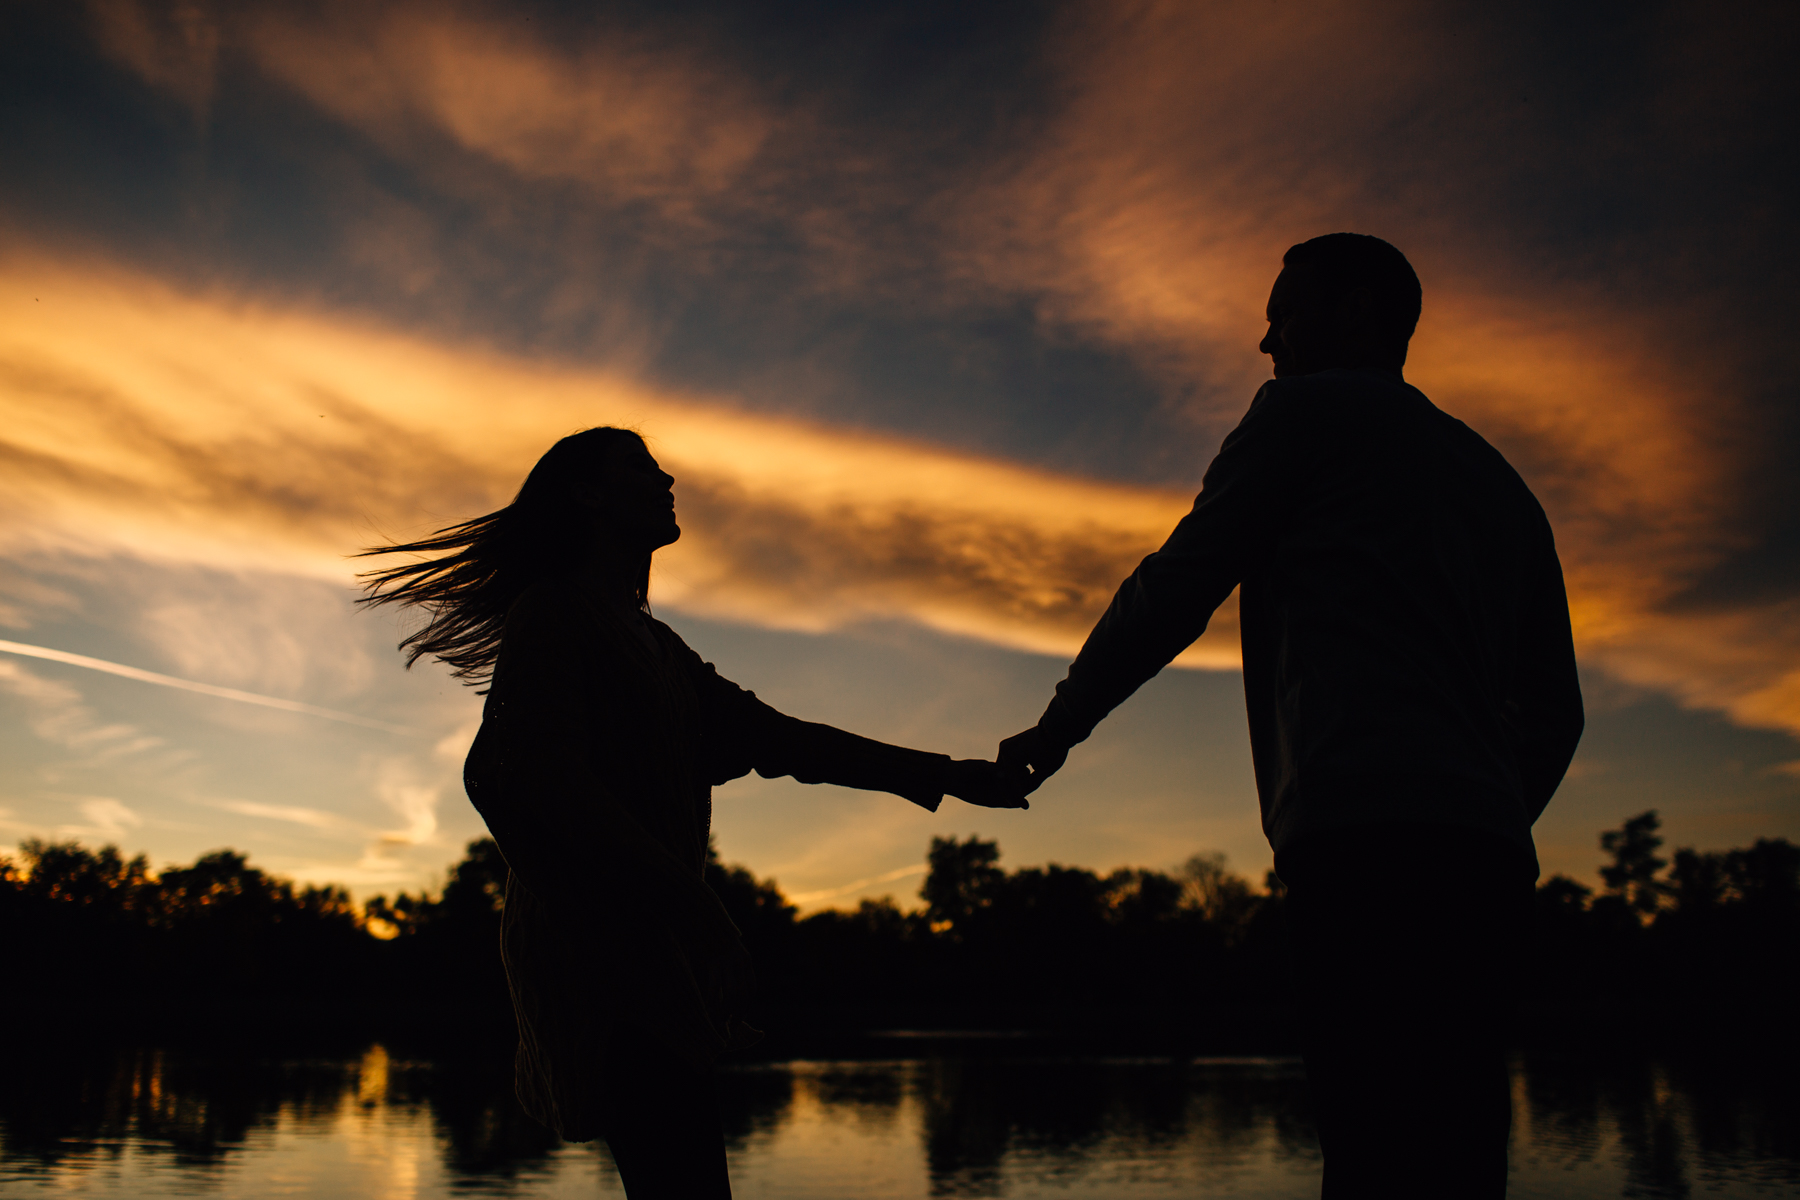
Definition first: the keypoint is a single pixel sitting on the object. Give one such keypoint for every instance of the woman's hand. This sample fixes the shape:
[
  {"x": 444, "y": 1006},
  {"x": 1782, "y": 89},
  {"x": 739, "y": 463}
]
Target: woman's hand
[
  {"x": 978, "y": 781},
  {"x": 732, "y": 978}
]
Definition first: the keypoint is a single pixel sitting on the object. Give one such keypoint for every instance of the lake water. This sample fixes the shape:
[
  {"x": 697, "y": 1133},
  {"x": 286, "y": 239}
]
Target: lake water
[{"x": 145, "y": 1124}]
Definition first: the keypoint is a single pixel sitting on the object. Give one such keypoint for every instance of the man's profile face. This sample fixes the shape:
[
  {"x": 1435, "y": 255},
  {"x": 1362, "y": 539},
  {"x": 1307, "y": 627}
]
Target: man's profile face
[{"x": 1301, "y": 333}]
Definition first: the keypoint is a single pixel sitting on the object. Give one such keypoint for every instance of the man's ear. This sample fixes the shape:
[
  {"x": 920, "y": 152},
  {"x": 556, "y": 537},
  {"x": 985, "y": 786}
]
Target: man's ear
[
  {"x": 1361, "y": 320},
  {"x": 1369, "y": 332}
]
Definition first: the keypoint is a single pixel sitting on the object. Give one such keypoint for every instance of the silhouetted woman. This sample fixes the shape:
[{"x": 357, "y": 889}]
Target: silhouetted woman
[{"x": 601, "y": 741}]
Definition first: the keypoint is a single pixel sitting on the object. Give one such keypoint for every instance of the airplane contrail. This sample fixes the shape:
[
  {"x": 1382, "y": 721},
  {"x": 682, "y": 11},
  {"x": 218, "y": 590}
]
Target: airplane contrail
[
  {"x": 205, "y": 689},
  {"x": 857, "y": 886}
]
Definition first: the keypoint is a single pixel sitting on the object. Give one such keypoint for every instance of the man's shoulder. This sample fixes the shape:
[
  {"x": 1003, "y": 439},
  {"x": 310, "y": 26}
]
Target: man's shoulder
[{"x": 1361, "y": 412}]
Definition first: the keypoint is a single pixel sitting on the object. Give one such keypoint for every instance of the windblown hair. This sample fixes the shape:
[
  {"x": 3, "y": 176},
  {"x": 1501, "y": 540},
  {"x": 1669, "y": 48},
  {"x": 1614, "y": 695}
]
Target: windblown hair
[
  {"x": 481, "y": 566},
  {"x": 1343, "y": 262}
]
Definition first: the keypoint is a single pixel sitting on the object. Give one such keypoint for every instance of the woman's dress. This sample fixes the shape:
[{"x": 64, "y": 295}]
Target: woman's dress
[{"x": 594, "y": 768}]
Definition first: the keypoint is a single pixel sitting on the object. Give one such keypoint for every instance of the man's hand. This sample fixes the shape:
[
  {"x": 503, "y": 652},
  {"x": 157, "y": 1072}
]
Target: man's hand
[
  {"x": 1031, "y": 757},
  {"x": 978, "y": 781}
]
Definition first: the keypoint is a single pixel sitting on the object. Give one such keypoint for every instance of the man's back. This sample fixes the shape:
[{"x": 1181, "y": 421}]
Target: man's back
[
  {"x": 1406, "y": 641},
  {"x": 1405, "y": 600}
]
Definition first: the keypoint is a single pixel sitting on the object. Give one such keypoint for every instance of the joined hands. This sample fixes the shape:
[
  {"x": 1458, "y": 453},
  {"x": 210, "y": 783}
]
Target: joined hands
[
  {"x": 978, "y": 781},
  {"x": 1029, "y": 758},
  {"x": 1025, "y": 761}
]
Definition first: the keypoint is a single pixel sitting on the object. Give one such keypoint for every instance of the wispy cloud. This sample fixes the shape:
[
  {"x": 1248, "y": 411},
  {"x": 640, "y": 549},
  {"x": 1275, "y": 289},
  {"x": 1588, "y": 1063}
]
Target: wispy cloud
[
  {"x": 416, "y": 805},
  {"x": 104, "y": 819},
  {"x": 58, "y": 714},
  {"x": 174, "y": 47},
  {"x": 384, "y": 860}
]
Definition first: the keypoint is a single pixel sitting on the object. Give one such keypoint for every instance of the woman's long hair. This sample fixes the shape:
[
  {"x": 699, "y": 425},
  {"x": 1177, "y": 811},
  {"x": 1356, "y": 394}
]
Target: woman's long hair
[{"x": 481, "y": 566}]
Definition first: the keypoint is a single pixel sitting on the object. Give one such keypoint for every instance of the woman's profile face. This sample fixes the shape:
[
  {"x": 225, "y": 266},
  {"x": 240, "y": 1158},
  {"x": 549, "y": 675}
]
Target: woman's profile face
[{"x": 636, "y": 496}]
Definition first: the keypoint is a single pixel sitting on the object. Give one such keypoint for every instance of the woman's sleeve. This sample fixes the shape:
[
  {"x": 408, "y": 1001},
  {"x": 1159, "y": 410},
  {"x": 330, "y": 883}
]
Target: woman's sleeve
[
  {"x": 559, "y": 826},
  {"x": 742, "y": 734}
]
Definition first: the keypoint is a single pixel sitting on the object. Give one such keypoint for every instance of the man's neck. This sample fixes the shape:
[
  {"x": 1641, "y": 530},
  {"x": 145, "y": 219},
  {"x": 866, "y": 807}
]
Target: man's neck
[{"x": 1390, "y": 370}]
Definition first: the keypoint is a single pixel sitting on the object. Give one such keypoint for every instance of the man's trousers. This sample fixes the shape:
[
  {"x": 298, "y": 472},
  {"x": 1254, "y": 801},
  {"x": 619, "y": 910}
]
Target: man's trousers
[{"x": 1407, "y": 955}]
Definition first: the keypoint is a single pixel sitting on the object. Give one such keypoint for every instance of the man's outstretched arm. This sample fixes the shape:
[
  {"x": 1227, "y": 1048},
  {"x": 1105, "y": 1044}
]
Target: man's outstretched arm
[{"x": 1166, "y": 603}]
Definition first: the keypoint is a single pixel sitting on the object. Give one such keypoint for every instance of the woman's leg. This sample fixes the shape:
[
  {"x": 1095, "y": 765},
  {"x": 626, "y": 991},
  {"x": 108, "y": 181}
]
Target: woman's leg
[{"x": 661, "y": 1122}]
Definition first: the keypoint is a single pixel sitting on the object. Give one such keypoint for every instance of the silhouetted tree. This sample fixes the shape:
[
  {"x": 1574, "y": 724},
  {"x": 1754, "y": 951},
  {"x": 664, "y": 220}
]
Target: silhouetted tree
[
  {"x": 1767, "y": 874},
  {"x": 1697, "y": 882},
  {"x": 1682, "y": 954},
  {"x": 440, "y": 968},
  {"x": 1136, "y": 897},
  {"x": 476, "y": 889},
  {"x": 963, "y": 881},
  {"x": 756, "y": 906},
  {"x": 473, "y": 896},
  {"x": 1632, "y": 875},
  {"x": 1563, "y": 898},
  {"x": 69, "y": 873},
  {"x": 12, "y": 897},
  {"x": 222, "y": 944},
  {"x": 1221, "y": 898}
]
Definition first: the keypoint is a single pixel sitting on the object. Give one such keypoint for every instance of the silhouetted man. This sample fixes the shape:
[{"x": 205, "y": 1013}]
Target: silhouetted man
[{"x": 1413, "y": 705}]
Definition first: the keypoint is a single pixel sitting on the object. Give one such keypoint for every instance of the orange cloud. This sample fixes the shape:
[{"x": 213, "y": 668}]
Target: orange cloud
[
  {"x": 197, "y": 430},
  {"x": 628, "y": 118}
]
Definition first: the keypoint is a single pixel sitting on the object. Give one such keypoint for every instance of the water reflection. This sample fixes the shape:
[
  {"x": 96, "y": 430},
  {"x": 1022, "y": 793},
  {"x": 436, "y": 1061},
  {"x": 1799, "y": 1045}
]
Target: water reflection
[
  {"x": 1660, "y": 1129},
  {"x": 151, "y": 1123}
]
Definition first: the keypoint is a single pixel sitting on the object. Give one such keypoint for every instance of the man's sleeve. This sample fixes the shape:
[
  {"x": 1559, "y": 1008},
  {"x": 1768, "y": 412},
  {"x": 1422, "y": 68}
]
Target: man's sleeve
[
  {"x": 1543, "y": 713},
  {"x": 1166, "y": 603}
]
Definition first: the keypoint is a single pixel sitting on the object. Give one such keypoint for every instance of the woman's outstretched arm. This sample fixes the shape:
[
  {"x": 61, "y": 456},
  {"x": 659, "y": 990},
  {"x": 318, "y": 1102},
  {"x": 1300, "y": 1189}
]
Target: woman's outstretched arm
[{"x": 743, "y": 734}]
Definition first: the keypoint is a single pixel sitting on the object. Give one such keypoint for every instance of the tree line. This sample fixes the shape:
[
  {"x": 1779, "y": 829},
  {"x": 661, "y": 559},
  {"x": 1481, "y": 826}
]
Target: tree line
[{"x": 1187, "y": 959}]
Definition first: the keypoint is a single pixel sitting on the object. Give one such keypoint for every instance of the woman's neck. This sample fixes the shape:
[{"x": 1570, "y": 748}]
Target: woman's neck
[{"x": 610, "y": 582}]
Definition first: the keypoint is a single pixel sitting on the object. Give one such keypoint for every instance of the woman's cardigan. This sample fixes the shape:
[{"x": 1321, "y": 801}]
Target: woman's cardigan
[{"x": 594, "y": 770}]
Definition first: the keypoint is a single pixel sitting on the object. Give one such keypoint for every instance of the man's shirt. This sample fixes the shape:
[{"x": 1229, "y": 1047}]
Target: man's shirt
[{"x": 1407, "y": 654}]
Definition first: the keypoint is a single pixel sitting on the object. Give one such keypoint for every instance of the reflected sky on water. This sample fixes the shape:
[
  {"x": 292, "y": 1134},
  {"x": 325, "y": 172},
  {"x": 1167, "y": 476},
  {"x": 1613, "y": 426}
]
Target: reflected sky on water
[{"x": 151, "y": 1123}]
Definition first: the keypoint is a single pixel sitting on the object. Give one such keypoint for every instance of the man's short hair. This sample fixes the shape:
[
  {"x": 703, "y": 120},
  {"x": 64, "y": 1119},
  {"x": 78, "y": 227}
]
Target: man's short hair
[{"x": 1343, "y": 262}]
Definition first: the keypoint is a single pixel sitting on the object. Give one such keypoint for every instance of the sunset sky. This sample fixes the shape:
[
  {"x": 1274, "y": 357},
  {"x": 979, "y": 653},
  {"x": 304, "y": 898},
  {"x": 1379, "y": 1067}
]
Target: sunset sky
[{"x": 936, "y": 312}]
